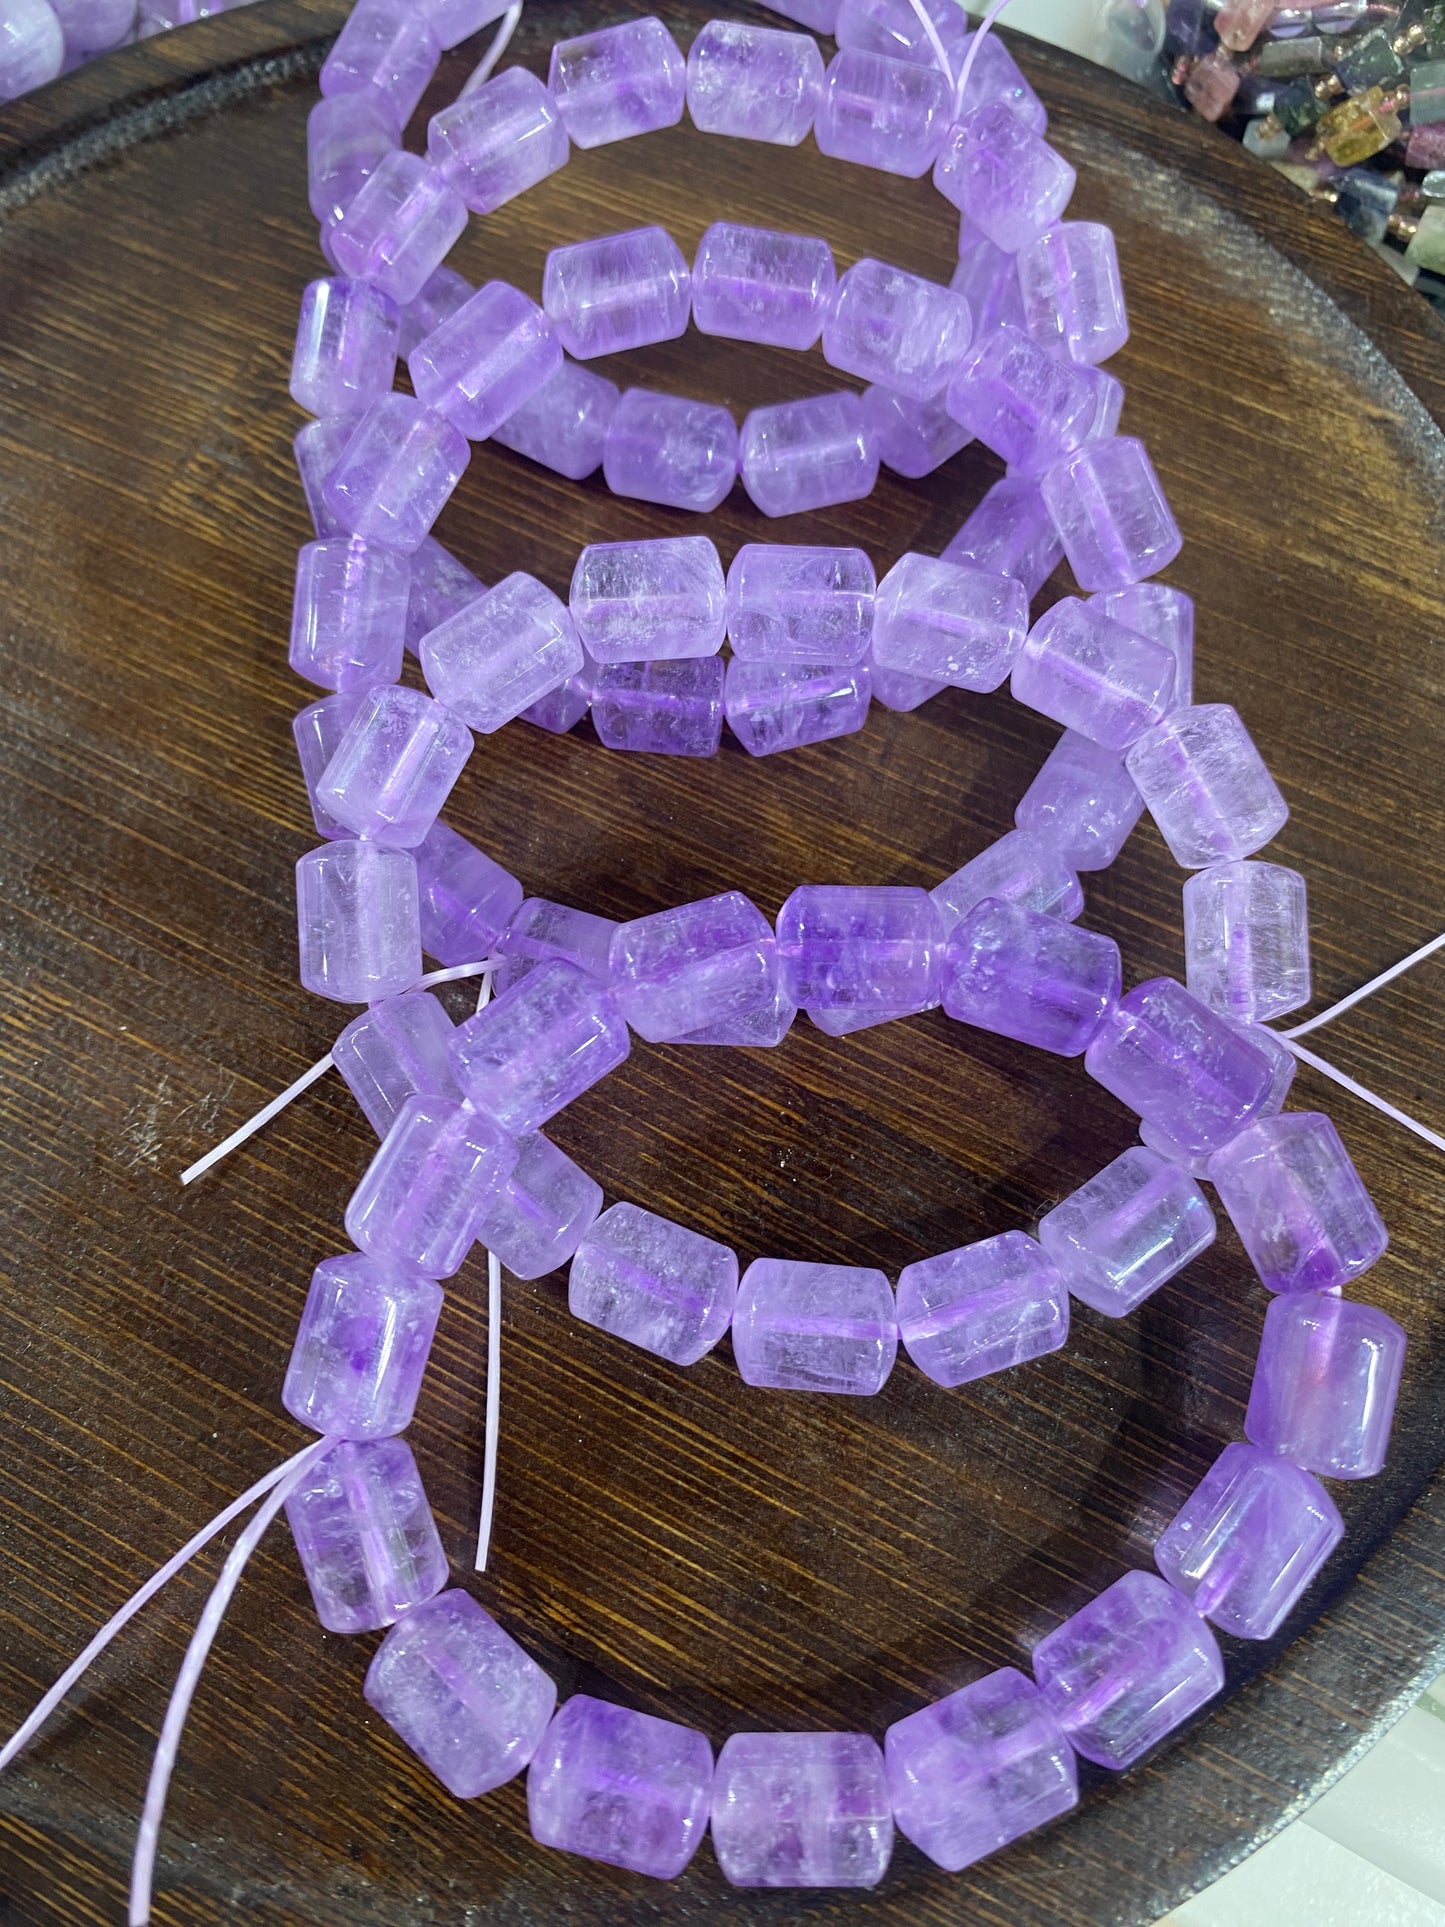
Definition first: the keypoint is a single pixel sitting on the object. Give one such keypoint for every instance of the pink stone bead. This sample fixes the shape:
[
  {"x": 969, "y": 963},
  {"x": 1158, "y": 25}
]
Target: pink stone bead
[
  {"x": 348, "y": 616},
  {"x": 395, "y": 767},
  {"x": 1206, "y": 786},
  {"x": 1129, "y": 1230},
  {"x": 421, "y": 1198},
  {"x": 808, "y": 454},
  {"x": 801, "y": 1810},
  {"x": 858, "y": 949},
  {"x": 494, "y": 143},
  {"x": 886, "y": 325},
  {"x": 944, "y": 621},
  {"x": 501, "y": 653},
  {"x": 1021, "y": 867},
  {"x": 913, "y": 438},
  {"x": 1111, "y": 513},
  {"x": 1029, "y": 407},
  {"x": 814, "y": 1328},
  {"x": 987, "y": 278},
  {"x": 395, "y": 1050},
  {"x": 1325, "y": 1384},
  {"x": 467, "y": 900},
  {"x": 624, "y": 80},
  {"x": 754, "y": 82},
  {"x": 440, "y": 586},
  {"x": 539, "y": 1045},
  {"x": 1298, "y": 1203},
  {"x": 387, "y": 50},
  {"x": 488, "y": 358},
  {"x": 1246, "y": 940},
  {"x": 789, "y": 603},
  {"x": 442, "y": 293},
  {"x": 453, "y": 21},
  {"x": 702, "y": 963},
  {"x": 882, "y": 113},
  {"x": 1093, "y": 675},
  {"x": 357, "y": 921},
  {"x": 620, "y": 291},
  {"x": 647, "y": 601},
  {"x": 542, "y": 1212},
  {"x": 1006, "y": 178},
  {"x": 365, "y": 1535},
  {"x": 564, "y": 425},
  {"x": 1010, "y": 533},
  {"x": 664, "y": 448},
  {"x": 362, "y": 1348},
  {"x": 660, "y": 708},
  {"x": 1164, "y": 615},
  {"x": 1239, "y": 23},
  {"x": 773, "y": 706},
  {"x": 318, "y": 730},
  {"x": 400, "y": 227},
  {"x": 654, "y": 1283},
  {"x": 761, "y": 284},
  {"x": 1211, "y": 85},
  {"x": 1072, "y": 295},
  {"x": 345, "y": 356},
  {"x": 540, "y": 931},
  {"x": 620, "y": 1787},
  {"x": 1029, "y": 976},
  {"x": 318, "y": 448},
  {"x": 981, "y": 1309},
  {"x": 396, "y": 473},
  {"x": 1083, "y": 800}
]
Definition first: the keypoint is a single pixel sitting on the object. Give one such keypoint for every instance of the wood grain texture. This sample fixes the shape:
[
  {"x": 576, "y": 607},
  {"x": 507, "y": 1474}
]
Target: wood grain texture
[{"x": 674, "y": 1540}]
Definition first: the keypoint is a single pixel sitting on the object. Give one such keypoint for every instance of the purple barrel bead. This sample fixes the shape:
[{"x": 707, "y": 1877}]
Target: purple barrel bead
[
  {"x": 395, "y": 767},
  {"x": 898, "y": 691},
  {"x": 808, "y": 454},
  {"x": 894, "y": 28},
  {"x": 1093, "y": 675},
  {"x": 1127, "y": 1669},
  {"x": 754, "y": 82},
  {"x": 1248, "y": 1540},
  {"x": 761, "y": 284},
  {"x": 348, "y": 615},
  {"x": 882, "y": 113},
  {"x": 362, "y": 1348},
  {"x": 396, "y": 473},
  {"x": 1072, "y": 295},
  {"x": 617, "y": 82},
  {"x": 565, "y": 706},
  {"x": 318, "y": 730},
  {"x": 617, "y": 292},
  {"x": 620, "y": 1787},
  {"x": 857, "y": 949},
  {"x": 667, "y": 449},
  {"x": 702, "y": 963},
  {"x": 1022, "y": 867},
  {"x": 801, "y": 1810},
  {"x": 1011, "y": 533},
  {"x": 453, "y": 21},
  {"x": 650, "y": 601},
  {"x": 814, "y": 1328},
  {"x": 564, "y": 425},
  {"x": 539, "y": 1045},
  {"x": 660, "y": 708},
  {"x": 357, "y": 921},
  {"x": 1111, "y": 514},
  {"x": 540, "y": 931},
  {"x": 442, "y": 293},
  {"x": 788, "y": 603},
  {"x": 887, "y": 325},
  {"x": 365, "y": 1535},
  {"x": 773, "y": 706},
  {"x": 997, "y": 76},
  {"x": 987, "y": 278},
  {"x": 1283, "y": 1064},
  {"x": 760, "y": 1029},
  {"x": 1003, "y": 176},
  {"x": 91, "y": 26},
  {"x": 501, "y": 653},
  {"x": 423, "y": 1194},
  {"x": 467, "y": 899},
  {"x": 1028, "y": 406},
  {"x": 1206, "y": 786},
  {"x": 347, "y": 138},
  {"x": 654, "y": 1283},
  {"x": 494, "y": 143},
  {"x": 1179, "y": 1066},
  {"x": 440, "y": 586},
  {"x": 1246, "y": 940},
  {"x": 345, "y": 355},
  {"x": 913, "y": 438},
  {"x": 1029, "y": 976},
  {"x": 395, "y": 1050},
  {"x": 486, "y": 360},
  {"x": 979, "y": 1768},
  {"x": 820, "y": 15},
  {"x": 945, "y": 621},
  {"x": 1299, "y": 1205},
  {"x": 1083, "y": 800},
  {"x": 1127, "y": 1231},
  {"x": 543, "y": 1211},
  {"x": 400, "y": 228},
  {"x": 318, "y": 448},
  {"x": 468, "y": 1701},
  {"x": 981, "y": 1309},
  {"x": 1325, "y": 1384},
  {"x": 386, "y": 50},
  {"x": 1164, "y": 615},
  {"x": 1108, "y": 393}
]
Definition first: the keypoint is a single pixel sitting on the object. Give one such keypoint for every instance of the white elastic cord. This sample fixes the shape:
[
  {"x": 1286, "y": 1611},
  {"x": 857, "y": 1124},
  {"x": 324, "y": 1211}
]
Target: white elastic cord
[
  {"x": 1359, "y": 1090},
  {"x": 501, "y": 40},
  {"x": 1369, "y": 989},
  {"x": 494, "y": 1408},
  {"x": 940, "y": 53},
  {"x": 985, "y": 27}
]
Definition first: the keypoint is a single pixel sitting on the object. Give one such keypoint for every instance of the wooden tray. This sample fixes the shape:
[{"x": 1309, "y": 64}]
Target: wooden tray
[{"x": 671, "y": 1539}]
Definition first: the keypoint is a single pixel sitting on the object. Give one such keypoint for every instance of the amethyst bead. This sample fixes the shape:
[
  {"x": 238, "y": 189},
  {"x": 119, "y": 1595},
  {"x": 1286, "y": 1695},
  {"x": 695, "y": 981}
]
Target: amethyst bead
[
  {"x": 882, "y": 113},
  {"x": 814, "y": 1328},
  {"x": 1246, "y": 940},
  {"x": 981, "y": 1309},
  {"x": 1179, "y": 1067},
  {"x": 462, "y": 1694},
  {"x": 618, "y": 82},
  {"x": 1093, "y": 675},
  {"x": 1164, "y": 615},
  {"x": 1030, "y": 976},
  {"x": 400, "y": 228},
  {"x": 820, "y": 15},
  {"x": 318, "y": 449},
  {"x": 1126, "y": 1232},
  {"x": 997, "y": 76},
  {"x": 620, "y": 291},
  {"x": 1325, "y": 1384},
  {"x": 801, "y": 1810},
  {"x": 949, "y": 623},
  {"x": 365, "y": 1535},
  {"x": 486, "y": 360},
  {"x": 808, "y": 454},
  {"x": 422, "y": 1196},
  {"x": 855, "y": 949},
  {"x": 754, "y": 82},
  {"x": 700, "y": 964},
  {"x": 347, "y": 138},
  {"x": 760, "y": 1029},
  {"x": 345, "y": 357},
  {"x": 800, "y": 605},
  {"x": 541, "y": 931},
  {"x": 661, "y": 708},
  {"x": 494, "y": 143},
  {"x": 1026, "y": 405},
  {"x": 387, "y": 51},
  {"x": 318, "y": 730},
  {"x": 501, "y": 653},
  {"x": 1206, "y": 786},
  {"x": 1073, "y": 298},
  {"x": 393, "y": 1051},
  {"x": 650, "y": 601},
  {"x": 566, "y": 705},
  {"x": 348, "y": 617},
  {"x": 620, "y": 1787},
  {"x": 886, "y": 325},
  {"x": 1248, "y": 1540},
  {"x": 1111, "y": 513},
  {"x": 564, "y": 425},
  {"x": 1010, "y": 533},
  {"x": 395, "y": 767},
  {"x": 1004, "y": 177},
  {"x": 396, "y": 473},
  {"x": 356, "y": 908},
  {"x": 453, "y": 21},
  {"x": 440, "y": 586},
  {"x": 1022, "y": 867},
  {"x": 1282, "y": 1067},
  {"x": 361, "y": 1348},
  {"x": 664, "y": 448},
  {"x": 539, "y": 1045},
  {"x": 773, "y": 706},
  {"x": 1127, "y": 1669},
  {"x": 897, "y": 690},
  {"x": 913, "y": 438},
  {"x": 987, "y": 278},
  {"x": 974, "y": 1771},
  {"x": 1295, "y": 1198},
  {"x": 892, "y": 27},
  {"x": 760, "y": 284},
  {"x": 89, "y": 27},
  {"x": 1083, "y": 800},
  {"x": 543, "y": 1211},
  {"x": 467, "y": 900},
  {"x": 654, "y": 1283}
]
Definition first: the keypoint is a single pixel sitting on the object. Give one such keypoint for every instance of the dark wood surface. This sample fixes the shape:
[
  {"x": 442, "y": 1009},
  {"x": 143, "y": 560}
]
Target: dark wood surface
[{"x": 727, "y": 1557}]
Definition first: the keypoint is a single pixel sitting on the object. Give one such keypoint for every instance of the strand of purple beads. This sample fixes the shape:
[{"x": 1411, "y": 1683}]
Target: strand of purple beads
[{"x": 463, "y": 1158}]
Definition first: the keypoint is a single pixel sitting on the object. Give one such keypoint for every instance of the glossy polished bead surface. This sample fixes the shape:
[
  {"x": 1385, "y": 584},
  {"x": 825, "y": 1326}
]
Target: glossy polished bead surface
[
  {"x": 1083, "y": 800},
  {"x": 774, "y": 706},
  {"x": 617, "y": 82},
  {"x": 395, "y": 767},
  {"x": 317, "y": 449},
  {"x": 1006, "y": 178},
  {"x": 987, "y": 278},
  {"x": 760, "y": 284},
  {"x": 1164, "y": 615},
  {"x": 882, "y": 113},
  {"x": 617, "y": 292},
  {"x": 348, "y": 617},
  {"x": 754, "y": 82},
  {"x": 345, "y": 356},
  {"x": 317, "y": 730},
  {"x": 1179, "y": 1066},
  {"x": 356, "y": 915},
  {"x": 1093, "y": 675},
  {"x": 664, "y": 448},
  {"x": 400, "y": 227},
  {"x": 392, "y": 1051},
  {"x": 654, "y": 1283},
  {"x": 543, "y": 1211},
  {"x": 486, "y": 360},
  {"x": 502, "y": 653},
  {"x": 789, "y": 603},
  {"x": 1022, "y": 867},
  {"x": 1206, "y": 786},
  {"x": 361, "y": 1348},
  {"x": 539, "y": 1045},
  {"x": 1010, "y": 533},
  {"x": 982, "y": 1308},
  {"x": 386, "y": 50},
  {"x": 650, "y": 601},
  {"x": 1025, "y": 404},
  {"x": 814, "y": 1328},
  {"x": 801, "y": 1810},
  {"x": 1111, "y": 513},
  {"x": 347, "y": 137},
  {"x": 888, "y": 325},
  {"x": 1127, "y": 1231},
  {"x": 1325, "y": 1384},
  {"x": 913, "y": 438},
  {"x": 947, "y": 622},
  {"x": 421, "y": 1197},
  {"x": 498, "y": 140},
  {"x": 365, "y": 1535},
  {"x": 1072, "y": 295},
  {"x": 396, "y": 473},
  {"x": 1029, "y": 976},
  {"x": 660, "y": 708},
  {"x": 858, "y": 949},
  {"x": 1298, "y": 1203},
  {"x": 540, "y": 931},
  {"x": 621, "y": 1787},
  {"x": 1246, "y": 940},
  {"x": 440, "y": 585},
  {"x": 699, "y": 964},
  {"x": 807, "y": 454},
  {"x": 564, "y": 425},
  {"x": 467, "y": 899}
]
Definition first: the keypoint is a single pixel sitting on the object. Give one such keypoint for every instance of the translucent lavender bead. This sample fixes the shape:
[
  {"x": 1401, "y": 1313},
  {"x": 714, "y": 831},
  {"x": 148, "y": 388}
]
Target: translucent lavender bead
[
  {"x": 440, "y": 586},
  {"x": 361, "y": 1348},
  {"x": 620, "y": 1787},
  {"x": 501, "y": 653},
  {"x": 1127, "y": 1669},
  {"x": 882, "y": 113},
  {"x": 565, "y": 706},
  {"x": 92, "y": 26},
  {"x": 1073, "y": 298},
  {"x": 542, "y": 1212},
  {"x": 892, "y": 27},
  {"x": 317, "y": 449},
  {"x": 971, "y": 1772},
  {"x": 365, "y": 1535},
  {"x": 540, "y": 931},
  {"x": 702, "y": 963},
  {"x": 453, "y": 21},
  {"x": 467, "y": 900},
  {"x": 1083, "y": 800},
  {"x": 987, "y": 278},
  {"x": 801, "y": 1810},
  {"x": 1093, "y": 675},
  {"x": 648, "y": 601},
  {"x": 1126, "y": 1232},
  {"x": 348, "y": 616},
  {"x": 761, "y": 284},
  {"x": 1009, "y": 182},
  {"x": 1295, "y": 1198},
  {"x": 787, "y": 603},
  {"x": 1179, "y": 1066},
  {"x": 618, "y": 82},
  {"x": 1029, "y": 976},
  {"x": 1022, "y": 867},
  {"x": 1246, "y": 940},
  {"x": 357, "y": 921},
  {"x": 814, "y": 1328},
  {"x": 539, "y": 1045},
  {"x": 347, "y": 138},
  {"x": 442, "y": 293},
  {"x": 423, "y": 1194},
  {"x": 1206, "y": 786},
  {"x": 1026, "y": 405},
  {"x": 1325, "y": 1384},
  {"x": 660, "y": 708},
  {"x": 345, "y": 356},
  {"x": 1010, "y": 533},
  {"x": 395, "y": 767},
  {"x": 462, "y": 1694},
  {"x": 494, "y": 143},
  {"x": 820, "y": 15},
  {"x": 396, "y": 473},
  {"x": 944, "y": 621},
  {"x": 318, "y": 730},
  {"x": 654, "y": 1283},
  {"x": 858, "y": 949},
  {"x": 913, "y": 438},
  {"x": 1283, "y": 1064},
  {"x": 981, "y": 1309},
  {"x": 394, "y": 1050},
  {"x": 898, "y": 691},
  {"x": 400, "y": 228},
  {"x": 385, "y": 49},
  {"x": 1248, "y": 1540},
  {"x": 808, "y": 454},
  {"x": 887, "y": 325},
  {"x": 754, "y": 82},
  {"x": 619, "y": 291},
  {"x": 486, "y": 360},
  {"x": 564, "y": 425},
  {"x": 760, "y": 1029},
  {"x": 773, "y": 706},
  {"x": 1164, "y": 615},
  {"x": 1111, "y": 514},
  {"x": 997, "y": 76},
  {"x": 664, "y": 448}
]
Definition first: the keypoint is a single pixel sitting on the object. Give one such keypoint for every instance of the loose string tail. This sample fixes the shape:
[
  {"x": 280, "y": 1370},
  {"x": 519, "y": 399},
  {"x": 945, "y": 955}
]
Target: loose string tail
[
  {"x": 494, "y": 1377},
  {"x": 486, "y": 66},
  {"x": 940, "y": 53}
]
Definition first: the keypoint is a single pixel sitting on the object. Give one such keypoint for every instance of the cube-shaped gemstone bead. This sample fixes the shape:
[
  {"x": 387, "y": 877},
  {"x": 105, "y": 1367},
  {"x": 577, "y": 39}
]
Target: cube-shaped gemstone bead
[
  {"x": 1111, "y": 514},
  {"x": 981, "y": 1309},
  {"x": 1325, "y": 1384},
  {"x": 1006, "y": 178},
  {"x": 564, "y": 425},
  {"x": 386, "y": 50},
  {"x": 484, "y": 361},
  {"x": 1025, "y": 404},
  {"x": 946, "y": 621},
  {"x": 540, "y": 931},
  {"x": 392, "y": 1051},
  {"x": 1030, "y": 976},
  {"x": 423, "y": 1195},
  {"x": 501, "y": 653},
  {"x": 1093, "y": 675},
  {"x": 361, "y": 1348},
  {"x": 1299, "y": 1205},
  {"x": 462, "y": 1694},
  {"x": 348, "y": 617},
  {"x": 1072, "y": 295},
  {"x": 543, "y": 1211},
  {"x": 467, "y": 899},
  {"x": 347, "y": 137},
  {"x": 988, "y": 280},
  {"x": 662, "y": 708},
  {"x": 318, "y": 730},
  {"x": 760, "y": 284},
  {"x": 396, "y": 473},
  {"x": 1179, "y": 1066},
  {"x": 1164, "y": 615},
  {"x": 365, "y": 1535},
  {"x": 913, "y": 438},
  {"x": 1083, "y": 800},
  {"x": 1022, "y": 867},
  {"x": 317, "y": 449},
  {"x": 498, "y": 140},
  {"x": 1246, "y": 940},
  {"x": 785, "y": 705},
  {"x": 857, "y": 949},
  {"x": 897, "y": 690},
  {"x": 887, "y": 325},
  {"x": 815, "y": 1328},
  {"x": 971, "y": 1772},
  {"x": 1127, "y": 1669},
  {"x": 1127, "y": 1231},
  {"x": 1010, "y": 533},
  {"x": 883, "y": 113},
  {"x": 788, "y": 603},
  {"x": 667, "y": 449},
  {"x": 703, "y": 963},
  {"x": 801, "y": 1810},
  {"x": 357, "y": 921},
  {"x": 1206, "y": 786},
  {"x": 400, "y": 228},
  {"x": 617, "y": 292},
  {"x": 1248, "y": 1540},
  {"x": 618, "y": 82},
  {"x": 754, "y": 82},
  {"x": 808, "y": 454},
  {"x": 654, "y": 1283},
  {"x": 646, "y": 601},
  {"x": 395, "y": 767},
  {"x": 440, "y": 585},
  {"x": 540, "y": 1044},
  {"x": 345, "y": 356},
  {"x": 621, "y": 1787}
]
